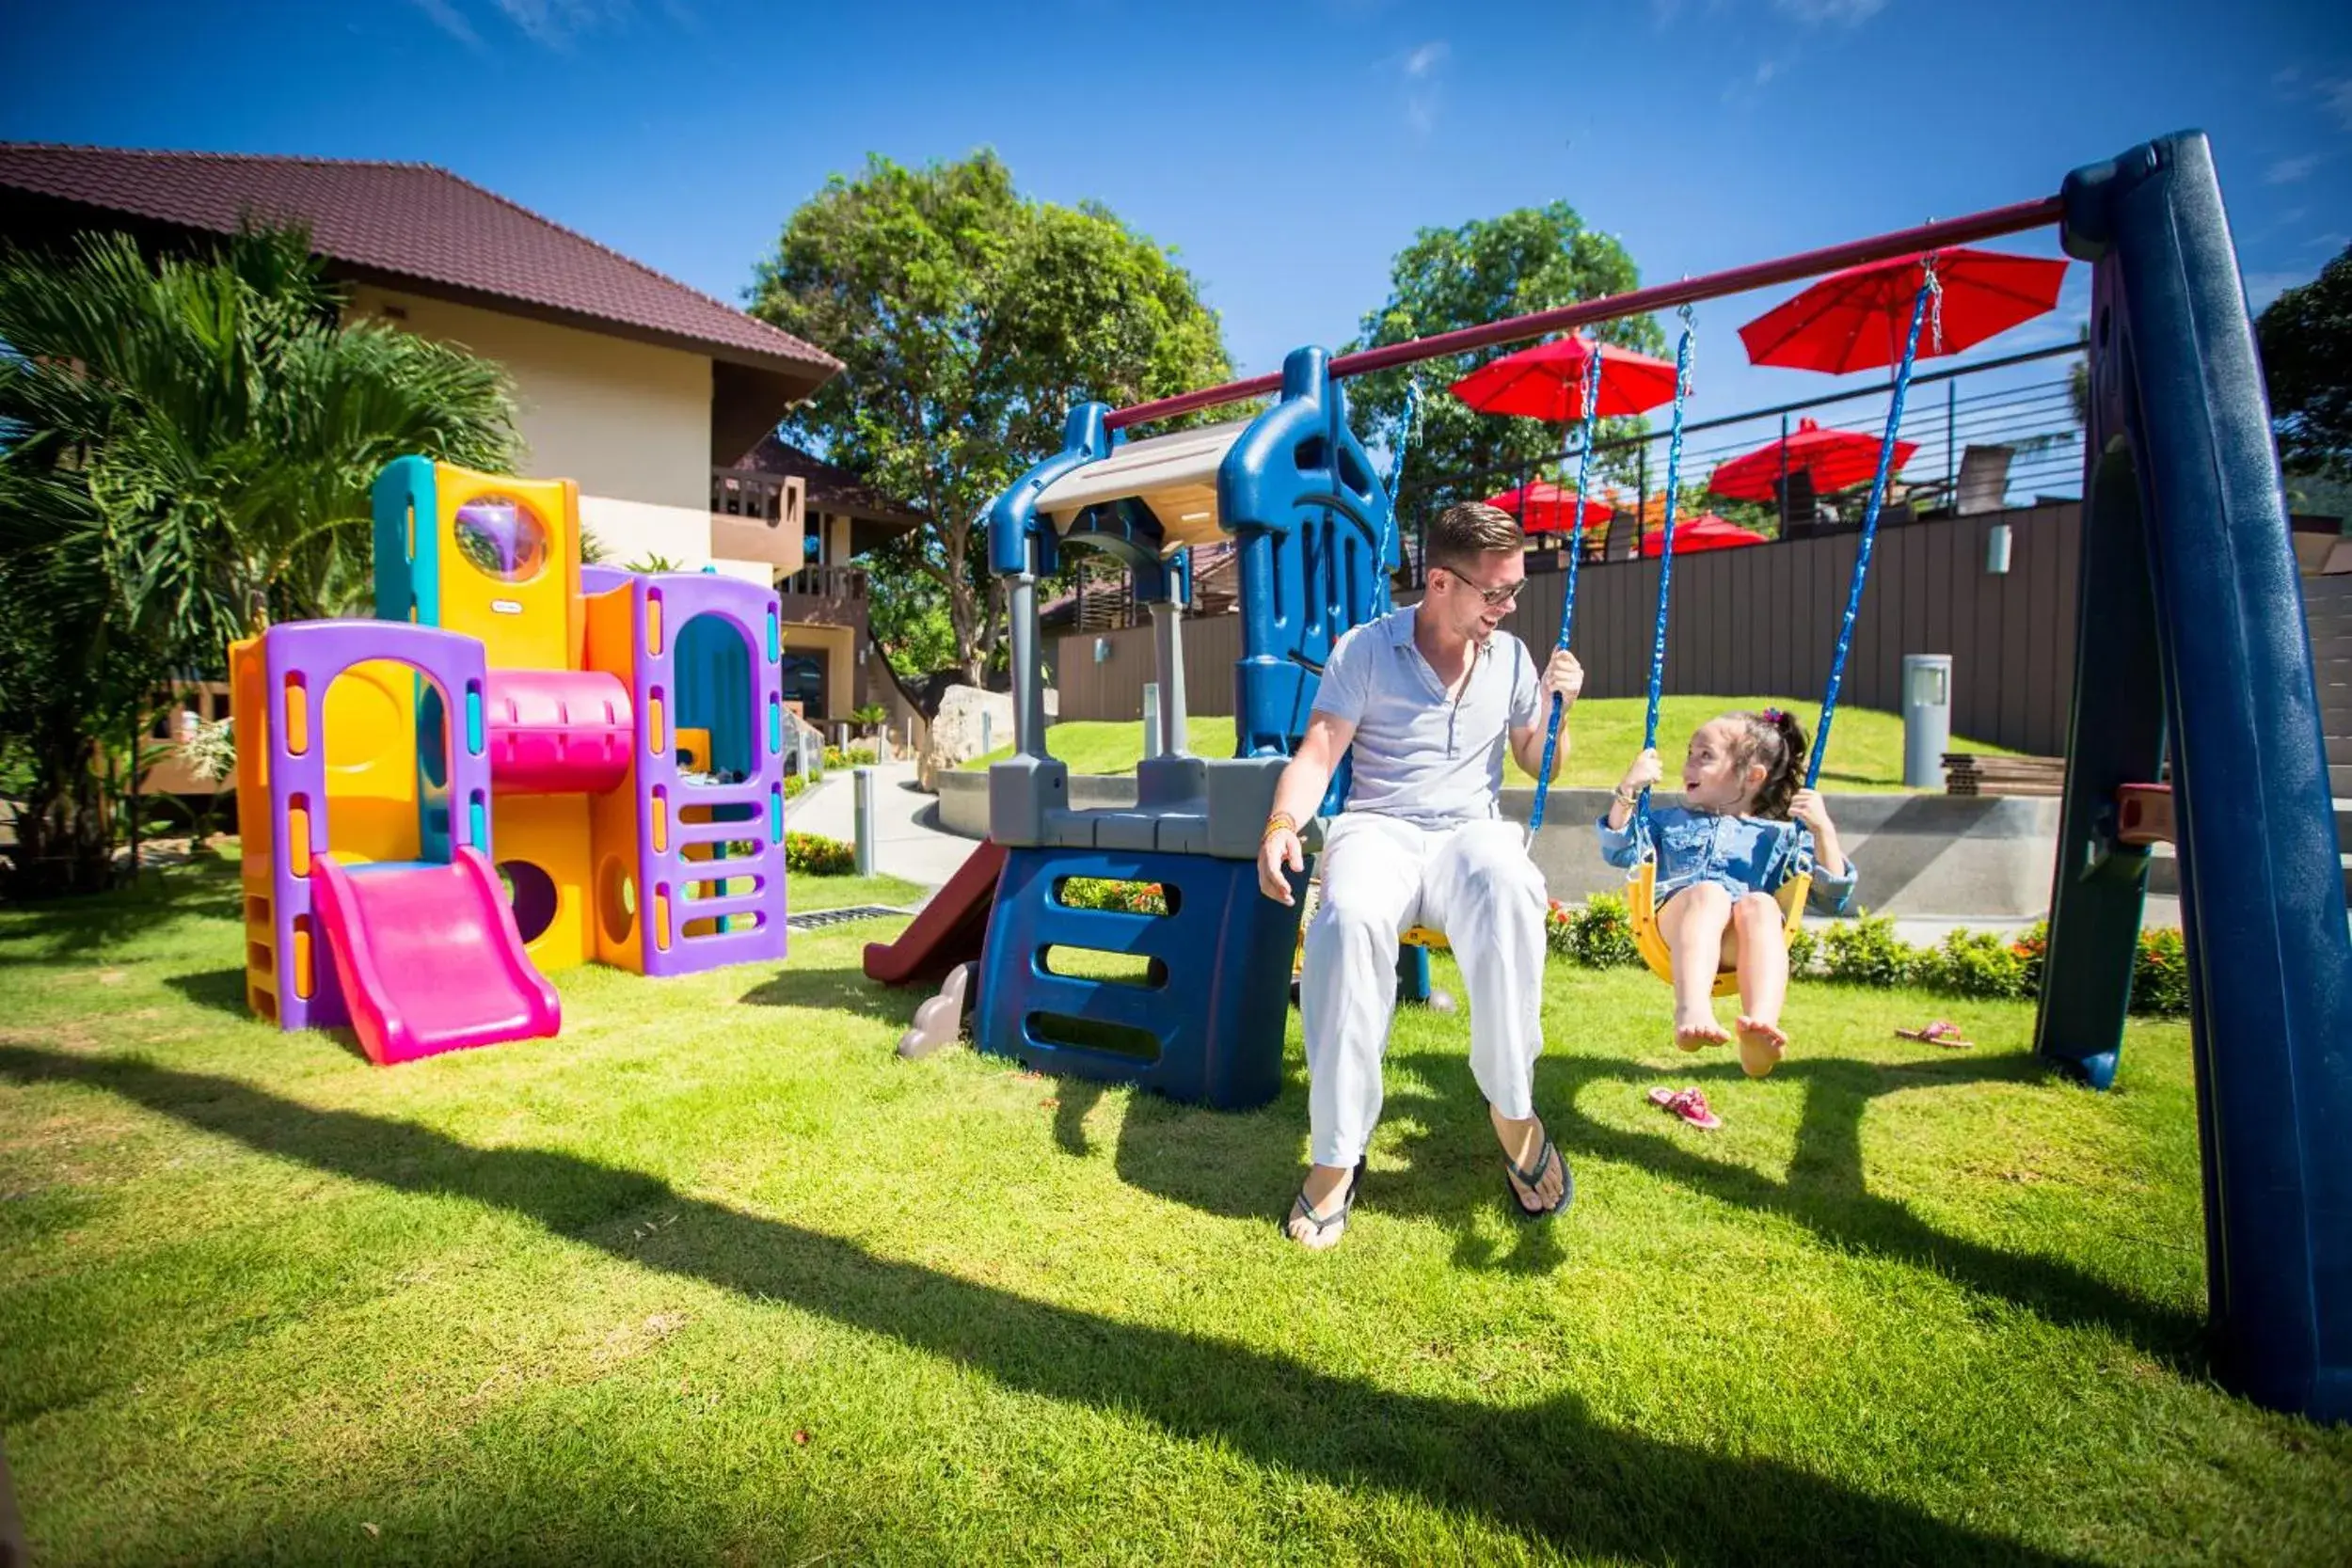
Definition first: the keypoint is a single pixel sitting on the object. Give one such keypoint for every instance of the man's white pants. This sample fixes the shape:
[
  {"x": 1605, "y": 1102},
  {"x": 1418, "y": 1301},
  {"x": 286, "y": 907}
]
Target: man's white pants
[{"x": 1380, "y": 877}]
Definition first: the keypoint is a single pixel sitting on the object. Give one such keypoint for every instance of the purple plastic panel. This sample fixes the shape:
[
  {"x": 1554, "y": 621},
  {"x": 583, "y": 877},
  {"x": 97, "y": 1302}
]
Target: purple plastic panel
[
  {"x": 304, "y": 657},
  {"x": 602, "y": 579},
  {"x": 751, "y": 609}
]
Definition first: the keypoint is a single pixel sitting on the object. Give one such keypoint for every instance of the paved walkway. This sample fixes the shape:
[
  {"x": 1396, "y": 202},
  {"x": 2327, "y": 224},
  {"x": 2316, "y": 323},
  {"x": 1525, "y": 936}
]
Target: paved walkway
[
  {"x": 909, "y": 843},
  {"x": 906, "y": 841}
]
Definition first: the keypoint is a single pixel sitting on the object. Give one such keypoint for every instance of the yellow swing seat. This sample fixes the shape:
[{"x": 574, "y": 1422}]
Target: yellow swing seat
[{"x": 1641, "y": 897}]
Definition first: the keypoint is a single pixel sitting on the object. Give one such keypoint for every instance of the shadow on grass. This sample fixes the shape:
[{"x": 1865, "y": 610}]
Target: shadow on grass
[
  {"x": 77, "y": 931},
  {"x": 1453, "y": 1170},
  {"x": 844, "y": 987},
  {"x": 1547, "y": 1471},
  {"x": 220, "y": 989}
]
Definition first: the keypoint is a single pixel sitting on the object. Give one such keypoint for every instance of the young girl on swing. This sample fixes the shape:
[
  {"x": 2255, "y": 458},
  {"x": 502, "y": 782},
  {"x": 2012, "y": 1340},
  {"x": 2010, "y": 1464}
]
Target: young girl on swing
[{"x": 1721, "y": 856}]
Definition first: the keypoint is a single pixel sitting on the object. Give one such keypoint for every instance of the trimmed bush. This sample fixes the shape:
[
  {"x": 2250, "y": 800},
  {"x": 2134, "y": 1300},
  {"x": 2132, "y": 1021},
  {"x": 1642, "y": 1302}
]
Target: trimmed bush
[
  {"x": 1598, "y": 936},
  {"x": 1866, "y": 952},
  {"x": 814, "y": 855},
  {"x": 1095, "y": 892}
]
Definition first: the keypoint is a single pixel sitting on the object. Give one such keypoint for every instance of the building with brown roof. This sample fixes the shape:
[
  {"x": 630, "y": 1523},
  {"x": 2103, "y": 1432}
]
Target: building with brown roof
[{"x": 646, "y": 392}]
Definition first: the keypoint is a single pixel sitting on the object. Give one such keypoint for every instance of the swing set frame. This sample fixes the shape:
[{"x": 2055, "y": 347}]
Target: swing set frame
[{"x": 2202, "y": 658}]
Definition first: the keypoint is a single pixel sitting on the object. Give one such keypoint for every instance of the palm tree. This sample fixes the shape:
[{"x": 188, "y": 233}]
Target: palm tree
[{"x": 186, "y": 444}]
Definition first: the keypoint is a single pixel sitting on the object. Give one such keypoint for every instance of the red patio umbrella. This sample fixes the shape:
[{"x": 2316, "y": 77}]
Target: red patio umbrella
[
  {"x": 1547, "y": 382},
  {"x": 1543, "y": 507},
  {"x": 1833, "y": 458},
  {"x": 1856, "y": 320},
  {"x": 1705, "y": 531}
]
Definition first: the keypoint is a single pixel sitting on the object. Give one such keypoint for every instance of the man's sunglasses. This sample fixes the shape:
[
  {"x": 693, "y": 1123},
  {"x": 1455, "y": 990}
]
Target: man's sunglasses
[{"x": 1504, "y": 595}]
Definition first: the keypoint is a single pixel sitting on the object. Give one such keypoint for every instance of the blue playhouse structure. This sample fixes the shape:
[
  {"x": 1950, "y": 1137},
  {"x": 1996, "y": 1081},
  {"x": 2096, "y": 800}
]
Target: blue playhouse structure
[
  {"x": 1316, "y": 543},
  {"x": 2202, "y": 660}
]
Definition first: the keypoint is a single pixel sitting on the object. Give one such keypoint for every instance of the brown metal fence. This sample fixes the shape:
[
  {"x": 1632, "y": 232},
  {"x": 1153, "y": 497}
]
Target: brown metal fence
[
  {"x": 1752, "y": 622},
  {"x": 2328, "y": 607}
]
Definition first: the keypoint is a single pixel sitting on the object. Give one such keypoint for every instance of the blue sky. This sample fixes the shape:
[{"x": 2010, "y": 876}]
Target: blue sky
[{"x": 1286, "y": 148}]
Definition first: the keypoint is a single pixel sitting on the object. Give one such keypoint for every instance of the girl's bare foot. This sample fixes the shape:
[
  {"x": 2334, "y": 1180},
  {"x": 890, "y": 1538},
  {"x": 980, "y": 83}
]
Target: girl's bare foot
[
  {"x": 1696, "y": 1026},
  {"x": 1761, "y": 1046}
]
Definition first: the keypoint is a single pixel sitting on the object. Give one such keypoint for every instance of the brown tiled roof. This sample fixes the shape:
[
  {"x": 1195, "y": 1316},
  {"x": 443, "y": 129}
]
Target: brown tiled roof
[
  {"x": 413, "y": 222},
  {"x": 828, "y": 487}
]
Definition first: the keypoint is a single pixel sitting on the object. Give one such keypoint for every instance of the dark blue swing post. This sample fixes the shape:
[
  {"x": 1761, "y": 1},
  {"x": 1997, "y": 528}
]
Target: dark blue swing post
[{"x": 2191, "y": 633}]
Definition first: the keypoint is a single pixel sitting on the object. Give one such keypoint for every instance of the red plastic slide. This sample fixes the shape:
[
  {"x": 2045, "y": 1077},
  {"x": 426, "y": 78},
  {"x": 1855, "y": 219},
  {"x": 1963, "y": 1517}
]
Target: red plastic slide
[
  {"x": 949, "y": 930},
  {"x": 429, "y": 957}
]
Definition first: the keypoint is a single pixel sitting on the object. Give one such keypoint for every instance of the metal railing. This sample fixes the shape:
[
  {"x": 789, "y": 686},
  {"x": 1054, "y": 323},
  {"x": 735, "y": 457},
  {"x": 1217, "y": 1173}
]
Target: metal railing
[
  {"x": 1979, "y": 448},
  {"x": 770, "y": 498},
  {"x": 825, "y": 583}
]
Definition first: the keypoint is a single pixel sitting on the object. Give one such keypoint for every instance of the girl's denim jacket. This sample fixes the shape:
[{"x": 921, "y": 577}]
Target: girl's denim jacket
[{"x": 1741, "y": 854}]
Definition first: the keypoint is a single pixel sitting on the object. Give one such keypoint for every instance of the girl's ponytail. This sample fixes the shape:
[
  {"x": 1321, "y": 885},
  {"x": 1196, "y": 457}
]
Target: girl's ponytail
[{"x": 1777, "y": 742}]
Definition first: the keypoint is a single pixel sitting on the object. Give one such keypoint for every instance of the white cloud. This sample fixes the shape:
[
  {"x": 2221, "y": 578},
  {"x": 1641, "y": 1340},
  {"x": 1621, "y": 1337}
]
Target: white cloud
[
  {"x": 450, "y": 20},
  {"x": 2337, "y": 97},
  {"x": 1765, "y": 71},
  {"x": 2286, "y": 172},
  {"x": 1421, "y": 68},
  {"x": 556, "y": 23},
  {"x": 1814, "y": 13}
]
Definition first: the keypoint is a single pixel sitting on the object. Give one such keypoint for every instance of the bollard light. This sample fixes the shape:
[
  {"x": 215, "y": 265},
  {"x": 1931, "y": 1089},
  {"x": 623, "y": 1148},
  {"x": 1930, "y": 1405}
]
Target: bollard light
[{"x": 864, "y": 780}]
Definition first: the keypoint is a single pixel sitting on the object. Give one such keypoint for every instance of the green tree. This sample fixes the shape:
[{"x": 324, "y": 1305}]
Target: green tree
[
  {"x": 969, "y": 320},
  {"x": 2306, "y": 338},
  {"x": 1534, "y": 259},
  {"x": 186, "y": 444}
]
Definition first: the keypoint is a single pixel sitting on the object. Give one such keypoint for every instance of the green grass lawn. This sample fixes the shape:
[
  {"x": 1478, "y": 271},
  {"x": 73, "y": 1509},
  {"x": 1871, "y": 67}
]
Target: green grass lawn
[
  {"x": 715, "y": 1276},
  {"x": 1604, "y": 735}
]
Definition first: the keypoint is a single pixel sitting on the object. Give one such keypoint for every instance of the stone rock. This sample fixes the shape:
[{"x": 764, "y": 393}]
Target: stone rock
[{"x": 955, "y": 736}]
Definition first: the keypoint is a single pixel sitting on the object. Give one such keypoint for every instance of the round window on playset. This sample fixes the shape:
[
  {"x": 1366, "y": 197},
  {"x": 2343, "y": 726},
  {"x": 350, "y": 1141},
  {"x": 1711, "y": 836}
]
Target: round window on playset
[
  {"x": 531, "y": 892},
  {"x": 503, "y": 537},
  {"x": 616, "y": 900}
]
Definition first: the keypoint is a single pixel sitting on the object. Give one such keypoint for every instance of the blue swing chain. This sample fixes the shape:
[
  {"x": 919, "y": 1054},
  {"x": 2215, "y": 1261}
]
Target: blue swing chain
[
  {"x": 1930, "y": 292},
  {"x": 1391, "y": 522},
  {"x": 1576, "y": 553},
  {"x": 1666, "y": 550}
]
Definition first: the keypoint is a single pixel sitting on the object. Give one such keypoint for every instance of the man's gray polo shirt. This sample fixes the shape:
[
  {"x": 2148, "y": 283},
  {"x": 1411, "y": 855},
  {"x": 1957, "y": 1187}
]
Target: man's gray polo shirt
[{"x": 1417, "y": 755}]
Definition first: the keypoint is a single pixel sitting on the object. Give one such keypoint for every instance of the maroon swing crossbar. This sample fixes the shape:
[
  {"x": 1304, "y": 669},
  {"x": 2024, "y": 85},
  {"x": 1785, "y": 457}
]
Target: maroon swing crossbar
[{"x": 1761, "y": 275}]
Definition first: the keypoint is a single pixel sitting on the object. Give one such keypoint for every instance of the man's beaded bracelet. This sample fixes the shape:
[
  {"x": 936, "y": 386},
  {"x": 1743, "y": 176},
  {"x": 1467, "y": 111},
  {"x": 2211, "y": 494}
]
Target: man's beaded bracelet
[{"x": 1280, "y": 822}]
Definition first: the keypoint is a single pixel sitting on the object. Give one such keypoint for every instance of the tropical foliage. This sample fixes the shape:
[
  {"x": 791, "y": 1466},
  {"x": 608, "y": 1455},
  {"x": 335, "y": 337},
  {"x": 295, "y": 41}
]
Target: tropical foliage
[
  {"x": 970, "y": 320},
  {"x": 1485, "y": 270},
  {"x": 186, "y": 443}
]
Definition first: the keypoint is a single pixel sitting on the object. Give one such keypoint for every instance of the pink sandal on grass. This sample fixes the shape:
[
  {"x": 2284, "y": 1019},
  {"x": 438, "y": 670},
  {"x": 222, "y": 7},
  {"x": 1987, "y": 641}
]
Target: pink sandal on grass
[
  {"x": 1689, "y": 1104},
  {"x": 1943, "y": 1032}
]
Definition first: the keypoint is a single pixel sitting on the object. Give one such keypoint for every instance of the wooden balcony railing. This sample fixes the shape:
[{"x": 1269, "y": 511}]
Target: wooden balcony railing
[
  {"x": 839, "y": 583},
  {"x": 758, "y": 516}
]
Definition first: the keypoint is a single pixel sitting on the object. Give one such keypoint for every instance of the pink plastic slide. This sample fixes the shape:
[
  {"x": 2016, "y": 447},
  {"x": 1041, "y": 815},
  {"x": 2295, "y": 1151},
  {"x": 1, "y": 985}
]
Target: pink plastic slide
[{"x": 429, "y": 957}]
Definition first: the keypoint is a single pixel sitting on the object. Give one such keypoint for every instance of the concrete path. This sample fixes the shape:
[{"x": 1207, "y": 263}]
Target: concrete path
[
  {"x": 906, "y": 843},
  {"x": 909, "y": 843}
]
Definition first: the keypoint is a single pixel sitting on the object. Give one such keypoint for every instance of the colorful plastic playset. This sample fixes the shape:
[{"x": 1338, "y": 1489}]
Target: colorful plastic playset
[{"x": 617, "y": 737}]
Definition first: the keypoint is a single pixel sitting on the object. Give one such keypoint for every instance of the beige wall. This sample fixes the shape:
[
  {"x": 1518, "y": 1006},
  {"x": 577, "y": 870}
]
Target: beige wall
[
  {"x": 633, "y": 531},
  {"x": 627, "y": 421}
]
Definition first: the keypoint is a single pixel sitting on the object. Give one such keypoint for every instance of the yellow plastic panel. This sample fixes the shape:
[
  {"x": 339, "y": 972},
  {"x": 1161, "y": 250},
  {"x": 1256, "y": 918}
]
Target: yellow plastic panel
[
  {"x": 298, "y": 837},
  {"x": 371, "y": 738},
  {"x": 303, "y": 985},
  {"x": 508, "y": 551},
  {"x": 552, "y": 831}
]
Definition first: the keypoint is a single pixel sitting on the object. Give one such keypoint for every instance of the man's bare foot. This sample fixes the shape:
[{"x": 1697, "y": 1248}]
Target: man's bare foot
[
  {"x": 1696, "y": 1026},
  {"x": 1319, "y": 1214},
  {"x": 1761, "y": 1046}
]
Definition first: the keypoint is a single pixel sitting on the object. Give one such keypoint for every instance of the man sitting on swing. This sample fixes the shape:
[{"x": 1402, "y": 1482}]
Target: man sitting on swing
[{"x": 1424, "y": 699}]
